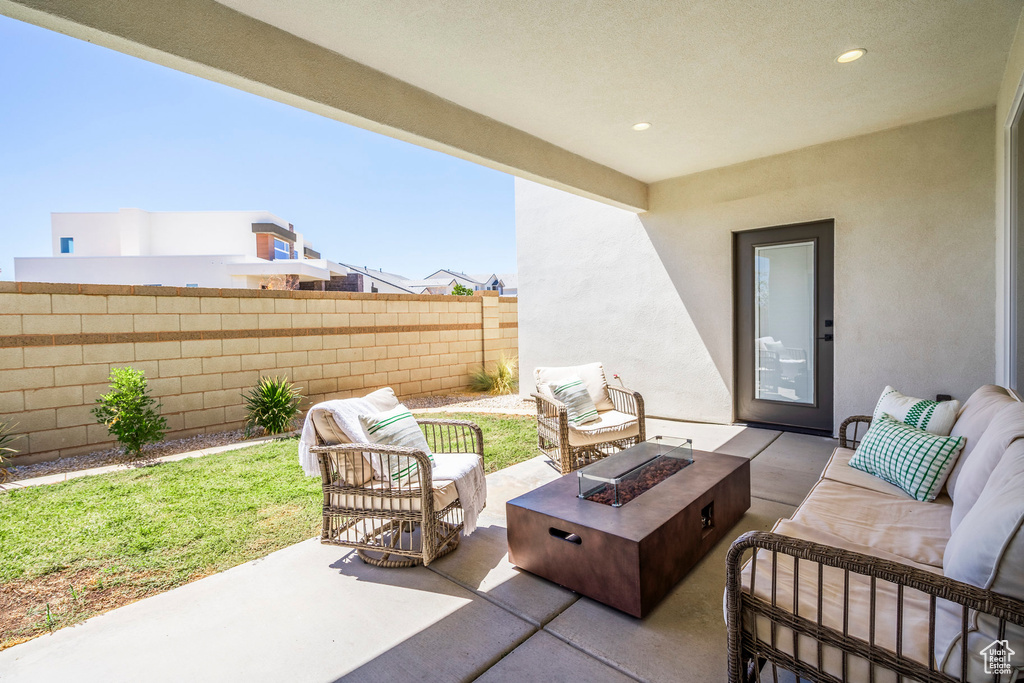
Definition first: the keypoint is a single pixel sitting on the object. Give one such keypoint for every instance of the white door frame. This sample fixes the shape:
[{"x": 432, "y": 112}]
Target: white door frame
[{"x": 1011, "y": 129}]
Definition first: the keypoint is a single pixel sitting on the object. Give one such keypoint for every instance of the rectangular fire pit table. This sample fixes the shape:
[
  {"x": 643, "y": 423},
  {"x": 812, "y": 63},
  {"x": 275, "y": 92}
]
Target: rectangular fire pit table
[{"x": 628, "y": 557}]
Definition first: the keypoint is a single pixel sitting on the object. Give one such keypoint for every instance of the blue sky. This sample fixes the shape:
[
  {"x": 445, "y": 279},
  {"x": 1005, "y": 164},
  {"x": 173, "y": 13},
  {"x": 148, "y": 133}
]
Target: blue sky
[{"x": 84, "y": 128}]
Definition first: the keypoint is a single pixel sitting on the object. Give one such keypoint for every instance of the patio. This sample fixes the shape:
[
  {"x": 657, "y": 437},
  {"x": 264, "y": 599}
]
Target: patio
[{"x": 315, "y": 612}]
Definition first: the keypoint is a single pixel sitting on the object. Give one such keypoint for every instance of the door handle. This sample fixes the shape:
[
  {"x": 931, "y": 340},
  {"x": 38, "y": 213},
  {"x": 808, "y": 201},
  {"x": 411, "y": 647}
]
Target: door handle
[{"x": 827, "y": 337}]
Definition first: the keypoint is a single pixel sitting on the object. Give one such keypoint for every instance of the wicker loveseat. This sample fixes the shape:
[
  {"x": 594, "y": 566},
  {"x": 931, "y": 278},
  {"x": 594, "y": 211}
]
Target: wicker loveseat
[
  {"x": 570, "y": 447},
  {"x": 390, "y": 524},
  {"x": 859, "y": 585}
]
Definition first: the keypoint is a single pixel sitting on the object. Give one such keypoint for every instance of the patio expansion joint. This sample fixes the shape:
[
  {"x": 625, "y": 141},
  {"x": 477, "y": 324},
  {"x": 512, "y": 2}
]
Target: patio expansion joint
[
  {"x": 504, "y": 605},
  {"x": 778, "y": 434},
  {"x": 593, "y": 655}
]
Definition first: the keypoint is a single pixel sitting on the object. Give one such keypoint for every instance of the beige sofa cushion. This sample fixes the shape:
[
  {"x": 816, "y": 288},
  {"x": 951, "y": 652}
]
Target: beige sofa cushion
[
  {"x": 898, "y": 525},
  {"x": 838, "y": 469},
  {"x": 987, "y": 550},
  {"x": 610, "y": 425},
  {"x": 973, "y": 420},
  {"x": 1006, "y": 427},
  {"x": 915, "y": 606},
  {"x": 444, "y": 493},
  {"x": 592, "y": 375}
]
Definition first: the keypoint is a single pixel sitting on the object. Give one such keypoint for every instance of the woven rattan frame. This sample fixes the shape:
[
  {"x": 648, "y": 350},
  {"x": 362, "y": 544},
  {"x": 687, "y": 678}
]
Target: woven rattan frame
[
  {"x": 386, "y": 531},
  {"x": 747, "y": 652},
  {"x": 553, "y": 430},
  {"x": 845, "y": 440}
]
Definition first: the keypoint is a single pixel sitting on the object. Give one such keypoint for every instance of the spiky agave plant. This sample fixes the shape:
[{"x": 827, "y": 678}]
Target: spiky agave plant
[
  {"x": 6, "y": 437},
  {"x": 502, "y": 379},
  {"x": 272, "y": 406}
]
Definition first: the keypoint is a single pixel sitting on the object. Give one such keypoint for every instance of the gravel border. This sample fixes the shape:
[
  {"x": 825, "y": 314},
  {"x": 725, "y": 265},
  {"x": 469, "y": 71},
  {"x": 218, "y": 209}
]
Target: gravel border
[{"x": 464, "y": 402}]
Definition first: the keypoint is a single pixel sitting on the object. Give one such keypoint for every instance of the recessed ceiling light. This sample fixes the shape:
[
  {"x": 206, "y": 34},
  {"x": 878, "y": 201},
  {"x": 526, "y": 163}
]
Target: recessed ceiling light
[
  {"x": 851, "y": 55},
  {"x": 643, "y": 125}
]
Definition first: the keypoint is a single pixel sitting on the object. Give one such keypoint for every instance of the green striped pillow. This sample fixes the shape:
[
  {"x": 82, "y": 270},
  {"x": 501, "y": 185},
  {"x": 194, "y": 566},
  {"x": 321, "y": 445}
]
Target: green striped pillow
[
  {"x": 911, "y": 458},
  {"x": 578, "y": 403},
  {"x": 397, "y": 427}
]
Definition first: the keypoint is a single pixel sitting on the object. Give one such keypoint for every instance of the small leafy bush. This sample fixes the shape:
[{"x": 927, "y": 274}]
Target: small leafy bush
[
  {"x": 459, "y": 290},
  {"x": 272, "y": 406},
  {"x": 503, "y": 379},
  {"x": 6, "y": 437},
  {"x": 130, "y": 414}
]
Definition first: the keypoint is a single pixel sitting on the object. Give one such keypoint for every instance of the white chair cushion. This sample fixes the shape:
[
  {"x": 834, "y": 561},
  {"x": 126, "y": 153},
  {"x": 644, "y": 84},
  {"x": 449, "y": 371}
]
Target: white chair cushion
[
  {"x": 973, "y": 420},
  {"x": 611, "y": 425},
  {"x": 1006, "y": 427},
  {"x": 987, "y": 550},
  {"x": 444, "y": 493},
  {"x": 592, "y": 375}
]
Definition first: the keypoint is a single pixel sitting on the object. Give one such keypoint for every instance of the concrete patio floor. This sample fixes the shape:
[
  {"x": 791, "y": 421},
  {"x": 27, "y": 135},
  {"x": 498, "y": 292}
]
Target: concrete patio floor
[{"x": 317, "y": 613}]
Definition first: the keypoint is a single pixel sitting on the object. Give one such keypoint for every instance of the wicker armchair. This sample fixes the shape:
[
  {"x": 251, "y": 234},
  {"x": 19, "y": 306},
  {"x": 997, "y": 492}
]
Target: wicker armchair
[
  {"x": 555, "y": 440},
  {"x": 395, "y": 524}
]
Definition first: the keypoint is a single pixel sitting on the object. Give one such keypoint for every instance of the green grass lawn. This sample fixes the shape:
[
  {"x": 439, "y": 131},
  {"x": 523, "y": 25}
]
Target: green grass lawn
[{"x": 71, "y": 550}]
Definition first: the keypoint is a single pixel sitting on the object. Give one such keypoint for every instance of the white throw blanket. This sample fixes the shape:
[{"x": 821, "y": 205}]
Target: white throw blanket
[{"x": 465, "y": 469}]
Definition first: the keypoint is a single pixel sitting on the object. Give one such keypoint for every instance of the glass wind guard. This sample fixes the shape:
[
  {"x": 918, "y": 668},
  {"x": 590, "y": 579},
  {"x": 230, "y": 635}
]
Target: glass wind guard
[
  {"x": 784, "y": 324},
  {"x": 619, "y": 478}
]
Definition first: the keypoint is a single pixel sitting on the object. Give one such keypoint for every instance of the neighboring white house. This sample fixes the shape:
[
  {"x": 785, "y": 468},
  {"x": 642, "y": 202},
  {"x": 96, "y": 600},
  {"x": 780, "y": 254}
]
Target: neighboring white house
[
  {"x": 439, "y": 282},
  {"x": 236, "y": 249},
  {"x": 506, "y": 284}
]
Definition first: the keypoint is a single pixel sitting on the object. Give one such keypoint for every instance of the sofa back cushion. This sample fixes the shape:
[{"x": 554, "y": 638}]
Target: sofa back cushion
[
  {"x": 592, "y": 375},
  {"x": 1006, "y": 427},
  {"x": 354, "y": 468},
  {"x": 972, "y": 422},
  {"x": 987, "y": 551}
]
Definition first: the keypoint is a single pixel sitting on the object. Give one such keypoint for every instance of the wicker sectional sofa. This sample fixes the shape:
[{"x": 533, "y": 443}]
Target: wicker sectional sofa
[{"x": 865, "y": 583}]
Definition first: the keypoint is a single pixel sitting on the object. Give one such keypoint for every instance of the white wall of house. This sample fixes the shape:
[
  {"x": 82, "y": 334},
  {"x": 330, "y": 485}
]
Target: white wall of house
[
  {"x": 132, "y": 246},
  {"x": 134, "y": 232},
  {"x": 169, "y": 271},
  {"x": 650, "y": 295}
]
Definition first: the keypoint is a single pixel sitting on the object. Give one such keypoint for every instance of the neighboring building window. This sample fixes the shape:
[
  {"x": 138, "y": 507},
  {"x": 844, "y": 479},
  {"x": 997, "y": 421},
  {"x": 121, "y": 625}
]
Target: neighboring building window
[
  {"x": 281, "y": 250},
  {"x": 192, "y": 285},
  {"x": 67, "y": 245}
]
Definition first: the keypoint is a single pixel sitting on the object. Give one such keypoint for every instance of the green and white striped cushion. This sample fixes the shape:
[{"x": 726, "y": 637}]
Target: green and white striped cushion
[
  {"x": 397, "y": 427},
  {"x": 573, "y": 393},
  {"x": 931, "y": 416},
  {"x": 911, "y": 458}
]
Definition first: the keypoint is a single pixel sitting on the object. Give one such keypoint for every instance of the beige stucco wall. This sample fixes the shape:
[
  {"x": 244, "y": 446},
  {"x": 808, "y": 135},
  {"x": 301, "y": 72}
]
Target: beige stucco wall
[
  {"x": 650, "y": 295},
  {"x": 202, "y": 348}
]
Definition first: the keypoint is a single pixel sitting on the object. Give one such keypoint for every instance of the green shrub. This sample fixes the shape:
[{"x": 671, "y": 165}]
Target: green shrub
[
  {"x": 5, "y": 438},
  {"x": 459, "y": 290},
  {"x": 131, "y": 415},
  {"x": 502, "y": 379},
  {"x": 272, "y": 406}
]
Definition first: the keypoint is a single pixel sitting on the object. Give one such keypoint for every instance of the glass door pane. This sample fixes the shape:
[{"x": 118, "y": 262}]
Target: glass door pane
[{"x": 784, "y": 325}]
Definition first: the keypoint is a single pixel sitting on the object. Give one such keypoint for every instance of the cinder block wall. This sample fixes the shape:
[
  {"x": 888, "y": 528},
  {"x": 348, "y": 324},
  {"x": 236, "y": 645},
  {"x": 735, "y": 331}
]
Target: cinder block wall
[{"x": 201, "y": 348}]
